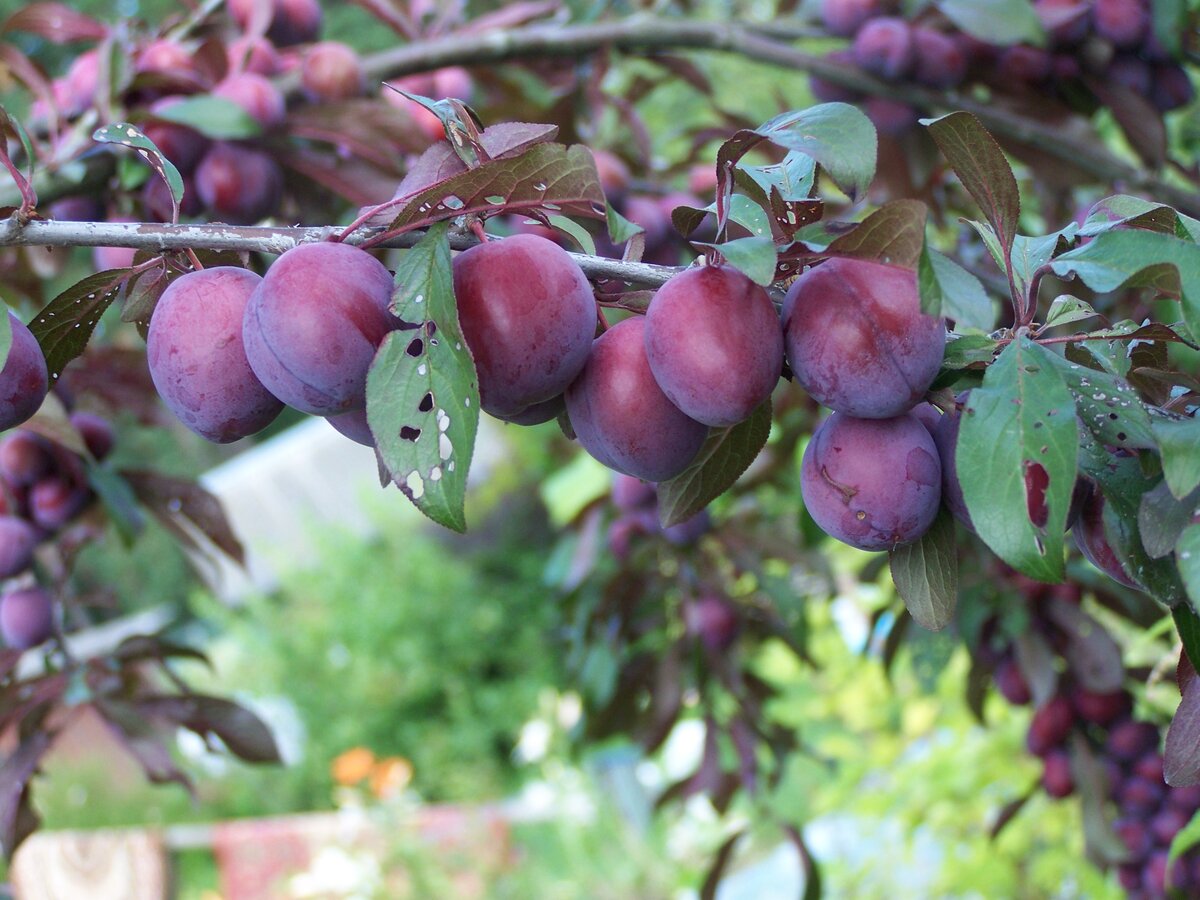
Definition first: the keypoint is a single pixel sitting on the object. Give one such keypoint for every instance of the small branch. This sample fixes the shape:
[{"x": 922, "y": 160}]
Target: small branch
[{"x": 160, "y": 238}]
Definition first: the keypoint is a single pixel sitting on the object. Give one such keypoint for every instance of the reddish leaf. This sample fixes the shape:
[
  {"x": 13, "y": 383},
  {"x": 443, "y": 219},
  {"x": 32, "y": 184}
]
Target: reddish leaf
[
  {"x": 708, "y": 891},
  {"x": 137, "y": 734},
  {"x": 812, "y": 874},
  {"x": 1008, "y": 812},
  {"x": 1093, "y": 655},
  {"x": 149, "y": 646},
  {"x": 184, "y": 507},
  {"x": 241, "y": 730},
  {"x": 1181, "y": 754},
  {"x": 17, "y": 819},
  {"x": 893, "y": 234},
  {"x": 56, "y": 22}
]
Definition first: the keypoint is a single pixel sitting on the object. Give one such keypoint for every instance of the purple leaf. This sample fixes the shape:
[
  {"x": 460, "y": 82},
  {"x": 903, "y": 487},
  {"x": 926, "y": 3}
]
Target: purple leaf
[{"x": 1181, "y": 755}]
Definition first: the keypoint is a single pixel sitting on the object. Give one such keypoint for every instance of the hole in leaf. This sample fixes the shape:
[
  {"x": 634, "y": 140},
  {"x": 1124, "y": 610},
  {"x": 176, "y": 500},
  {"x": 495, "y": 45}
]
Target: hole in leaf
[
  {"x": 430, "y": 328},
  {"x": 1037, "y": 480},
  {"x": 416, "y": 347},
  {"x": 426, "y": 403},
  {"x": 408, "y": 433}
]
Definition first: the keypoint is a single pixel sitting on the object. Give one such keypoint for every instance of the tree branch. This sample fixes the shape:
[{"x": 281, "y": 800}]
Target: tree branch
[{"x": 159, "y": 238}]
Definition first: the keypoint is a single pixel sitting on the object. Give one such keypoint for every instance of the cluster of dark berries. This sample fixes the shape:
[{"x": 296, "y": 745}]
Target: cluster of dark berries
[{"x": 43, "y": 487}]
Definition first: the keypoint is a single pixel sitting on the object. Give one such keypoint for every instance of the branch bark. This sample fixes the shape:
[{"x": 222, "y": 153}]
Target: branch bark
[{"x": 159, "y": 238}]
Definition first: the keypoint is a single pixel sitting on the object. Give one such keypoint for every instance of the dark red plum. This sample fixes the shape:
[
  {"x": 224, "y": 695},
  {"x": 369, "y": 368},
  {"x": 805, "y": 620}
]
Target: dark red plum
[
  {"x": 1122, "y": 22},
  {"x": 690, "y": 530},
  {"x": 714, "y": 343},
  {"x": 183, "y": 146},
  {"x": 26, "y": 617},
  {"x": 332, "y": 71},
  {"x": 1051, "y": 724},
  {"x": 1135, "y": 836},
  {"x": 860, "y": 502},
  {"x": 713, "y": 620},
  {"x": 96, "y": 431},
  {"x": 24, "y": 379},
  {"x": 1131, "y": 73},
  {"x": 1022, "y": 65},
  {"x": 845, "y": 17},
  {"x": 1129, "y": 739},
  {"x": 528, "y": 314},
  {"x": 197, "y": 358},
  {"x": 156, "y": 197},
  {"x": 1101, "y": 709},
  {"x": 1093, "y": 543},
  {"x": 1057, "y": 779},
  {"x": 945, "y": 436},
  {"x": 1171, "y": 87},
  {"x": 1149, "y": 766},
  {"x": 938, "y": 59},
  {"x": 538, "y": 412},
  {"x": 629, "y": 493},
  {"x": 1011, "y": 683},
  {"x": 54, "y": 501},
  {"x": 622, "y": 417},
  {"x": 256, "y": 95},
  {"x": 239, "y": 185},
  {"x": 291, "y": 21},
  {"x": 891, "y": 118},
  {"x": 1066, "y": 21},
  {"x": 24, "y": 458},
  {"x": 251, "y": 54},
  {"x": 1140, "y": 796},
  {"x": 353, "y": 425},
  {"x": 164, "y": 56},
  {"x": 885, "y": 47},
  {"x": 18, "y": 540},
  {"x": 857, "y": 340},
  {"x": 314, "y": 323},
  {"x": 1167, "y": 823}
]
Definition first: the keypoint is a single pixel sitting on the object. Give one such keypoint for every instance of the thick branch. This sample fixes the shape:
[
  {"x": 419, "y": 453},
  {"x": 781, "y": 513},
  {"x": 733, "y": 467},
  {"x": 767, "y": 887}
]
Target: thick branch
[{"x": 158, "y": 238}]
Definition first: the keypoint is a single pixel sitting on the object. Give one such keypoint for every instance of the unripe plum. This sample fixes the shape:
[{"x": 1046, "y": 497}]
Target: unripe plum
[
  {"x": 55, "y": 501},
  {"x": 261, "y": 100},
  {"x": 857, "y": 340},
  {"x": 253, "y": 54},
  {"x": 18, "y": 540},
  {"x": 845, "y": 17},
  {"x": 1051, "y": 724},
  {"x": 24, "y": 379},
  {"x": 1171, "y": 87},
  {"x": 332, "y": 71},
  {"x": 96, "y": 431},
  {"x": 885, "y": 47},
  {"x": 353, "y": 425},
  {"x": 292, "y": 21},
  {"x": 1100, "y": 709},
  {"x": 183, "y": 146},
  {"x": 1129, "y": 739},
  {"x": 1093, "y": 542},
  {"x": 528, "y": 314},
  {"x": 314, "y": 323},
  {"x": 198, "y": 360},
  {"x": 238, "y": 184},
  {"x": 24, "y": 458},
  {"x": 26, "y": 617},
  {"x": 1057, "y": 779},
  {"x": 860, "y": 502},
  {"x": 714, "y": 343},
  {"x": 620, "y": 414},
  {"x": 938, "y": 59},
  {"x": 1123, "y": 22}
]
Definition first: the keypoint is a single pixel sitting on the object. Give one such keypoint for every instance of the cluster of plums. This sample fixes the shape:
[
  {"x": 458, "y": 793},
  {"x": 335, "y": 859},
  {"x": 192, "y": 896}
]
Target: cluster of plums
[
  {"x": 1110, "y": 41},
  {"x": 43, "y": 487},
  {"x": 1149, "y": 812}
]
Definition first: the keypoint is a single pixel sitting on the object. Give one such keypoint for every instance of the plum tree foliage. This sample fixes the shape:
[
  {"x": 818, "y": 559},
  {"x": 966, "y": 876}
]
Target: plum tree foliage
[{"x": 684, "y": 327}]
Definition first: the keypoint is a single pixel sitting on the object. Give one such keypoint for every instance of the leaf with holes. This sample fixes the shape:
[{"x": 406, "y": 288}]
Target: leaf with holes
[
  {"x": 725, "y": 455},
  {"x": 422, "y": 391},
  {"x": 548, "y": 177},
  {"x": 65, "y": 324},
  {"x": 1016, "y": 459},
  {"x": 925, "y": 573},
  {"x": 893, "y": 234},
  {"x": 792, "y": 177},
  {"x": 1107, "y": 405},
  {"x": 129, "y": 136},
  {"x": 947, "y": 289}
]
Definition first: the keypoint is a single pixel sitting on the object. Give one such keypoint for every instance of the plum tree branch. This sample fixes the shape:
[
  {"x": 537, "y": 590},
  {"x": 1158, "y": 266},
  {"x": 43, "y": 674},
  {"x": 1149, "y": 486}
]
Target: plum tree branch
[{"x": 157, "y": 237}]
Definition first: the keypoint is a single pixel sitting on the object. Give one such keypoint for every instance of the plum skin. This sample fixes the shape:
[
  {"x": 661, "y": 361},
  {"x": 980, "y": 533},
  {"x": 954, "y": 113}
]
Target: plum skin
[
  {"x": 854, "y": 498},
  {"x": 313, "y": 324},
  {"x": 622, "y": 417},
  {"x": 714, "y": 343},
  {"x": 528, "y": 315},
  {"x": 26, "y": 617},
  {"x": 18, "y": 540},
  {"x": 331, "y": 71},
  {"x": 885, "y": 47},
  {"x": 198, "y": 360},
  {"x": 239, "y": 184},
  {"x": 856, "y": 338},
  {"x": 24, "y": 378}
]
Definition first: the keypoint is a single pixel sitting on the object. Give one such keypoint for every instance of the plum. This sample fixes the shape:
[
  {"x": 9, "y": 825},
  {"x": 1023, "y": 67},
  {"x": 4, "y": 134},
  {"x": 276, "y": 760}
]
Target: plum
[
  {"x": 1066, "y": 21},
  {"x": 1139, "y": 796},
  {"x": 1101, "y": 709},
  {"x": 156, "y": 198},
  {"x": 76, "y": 91},
  {"x": 54, "y": 501},
  {"x": 622, "y": 417},
  {"x": 18, "y": 540},
  {"x": 938, "y": 59},
  {"x": 714, "y": 620},
  {"x": 885, "y": 47},
  {"x": 197, "y": 358},
  {"x": 261, "y": 100},
  {"x": 353, "y": 425},
  {"x": 291, "y": 21},
  {"x": 857, "y": 340},
  {"x": 77, "y": 209},
  {"x": 1022, "y": 65},
  {"x": 614, "y": 174},
  {"x": 1166, "y": 824},
  {"x": 860, "y": 502},
  {"x": 714, "y": 343},
  {"x": 24, "y": 458},
  {"x": 929, "y": 416},
  {"x": 1057, "y": 779},
  {"x": 1135, "y": 837},
  {"x": 827, "y": 91},
  {"x": 845, "y": 17},
  {"x": 314, "y": 323},
  {"x": 1130, "y": 739},
  {"x": 183, "y": 146},
  {"x": 1094, "y": 544},
  {"x": 538, "y": 412},
  {"x": 253, "y": 54},
  {"x": 26, "y": 617},
  {"x": 441, "y": 84},
  {"x": 891, "y": 118},
  {"x": 690, "y": 530},
  {"x": 630, "y": 494},
  {"x": 1011, "y": 683},
  {"x": 96, "y": 431},
  {"x": 1171, "y": 87},
  {"x": 1050, "y": 726},
  {"x": 331, "y": 71},
  {"x": 24, "y": 379},
  {"x": 945, "y": 436},
  {"x": 239, "y": 184},
  {"x": 164, "y": 56},
  {"x": 1122, "y": 22},
  {"x": 528, "y": 314},
  {"x": 1131, "y": 73}
]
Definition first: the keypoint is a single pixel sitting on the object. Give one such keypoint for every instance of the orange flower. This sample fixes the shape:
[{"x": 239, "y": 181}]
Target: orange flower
[
  {"x": 352, "y": 766},
  {"x": 390, "y": 776}
]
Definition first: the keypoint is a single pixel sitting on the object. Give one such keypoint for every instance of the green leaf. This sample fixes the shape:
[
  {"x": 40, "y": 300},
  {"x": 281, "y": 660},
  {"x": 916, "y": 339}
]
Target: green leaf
[
  {"x": 969, "y": 349},
  {"x": 1162, "y": 518},
  {"x": 1127, "y": 211},
  {"x": 620, "y": 229},
  {"x": 5, "y": 335},
  {"x": 1016, "y": 459},
  {"x": 1187, "y": 622},
  {"x": 1134, "y": 256},
  {"x": 214, "y": 117},
  {"x": 949, "y": 290},
  {"x": 754, "y": 257},
  {"x": 893, "y": 234},
  {"x": 1029, "y": 254},
  {"x": 1066, "y": 309},
  {"x": 793, "y": 177},
  {"x": 1179, "y": 444},
  {"x": 580, "y": 235},
  {"x": 838, "y": 136},
  {"x": 422, "y": 391},
  {"x": 129, "y": 136},
  {"x": 926, "y": 574},
  {"x": 983, "y": 170},
  {"x": 999, "y": 22},
  {"x": 1107, "y": 405},
  {"x": 726, "y": 454},
  {"x": 65, "y": 324},
  {"x": 1187, "y": 557},
  {"x": 748, "y": 214},
  {"x": 119, "y": 500},
  {"x": 1169, "y": 23},
  {"x": 1185, "y": 839}
]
